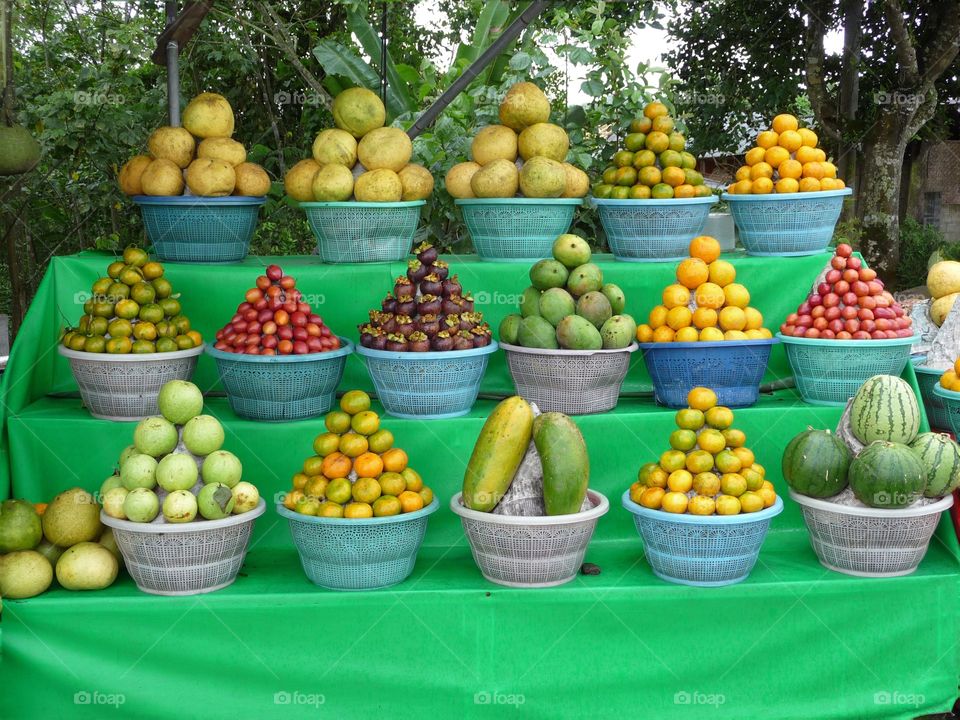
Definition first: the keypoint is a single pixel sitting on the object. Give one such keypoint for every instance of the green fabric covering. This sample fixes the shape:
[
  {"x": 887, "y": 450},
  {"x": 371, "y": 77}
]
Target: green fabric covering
[{"x": 793, "y": 641}]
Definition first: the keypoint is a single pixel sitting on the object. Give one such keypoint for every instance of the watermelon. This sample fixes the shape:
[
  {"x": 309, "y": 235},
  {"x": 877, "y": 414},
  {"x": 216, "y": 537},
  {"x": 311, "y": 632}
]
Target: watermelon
[
  {"x": 815, "y": 463},
  {"x": 885, "y": 408},
  {"x": 887, "y": 475},
  {"x": 940, "y": 457}
]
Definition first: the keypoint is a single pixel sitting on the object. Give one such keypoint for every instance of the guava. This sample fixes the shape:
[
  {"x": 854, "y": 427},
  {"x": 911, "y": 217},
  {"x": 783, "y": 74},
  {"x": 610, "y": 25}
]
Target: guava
[
  {"x": 223, "y": 467},
  {"x": 202, "y": 435},
  {"x": 179, "y": 401},
  {"x": 20, "y": 527},
  {"x": 153, "y": 436},
  {"x": 109, "y": 541},
  {"x": 180, "y": 506},
  {"x": 215, "y": 501},
  {"x": 113, "y": 502},
  {"x": 73, "y": 516},
  {"x": 140, "y": 471},
  {"x": 245, "y": 497},
  {"x": 141, "y": 505},
  {"x": 177, "y": 471},
  {"x": 23, "y": 574},
  {"x": 114, "y": 481},
  {"x": 87, "y": 566},
  {"x": 128, "y": 452}
]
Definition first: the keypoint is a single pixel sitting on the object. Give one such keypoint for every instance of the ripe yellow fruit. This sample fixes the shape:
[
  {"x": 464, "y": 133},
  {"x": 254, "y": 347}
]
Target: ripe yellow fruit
[
  {"x": 761, "y": 170},
  {"x": 673, "y": 176},
  {"x": 684, "y": 191},
  {"x": 809, "y": 137},
  {"x": 828, "y": 184},
  {"x": 710, "y": 295},
  {"x": 735, "y": 438},
  {"x": 790, "y": 169},
  {"x": 736, "y": 295},
  {"x": 776, "y": 155},
  {"x": 820, "y": 156},
  {"x": 754, "y": 155},
  {"x": 809, "y": 184},
  {"x": 790, "y": 140},
  {"x": 719, "y": 417},
  {"x": 705, "y": 247},
  {"x": 787, "y": 185},
  {"x": 675, "y": 295},
  {"x": 743, "y": 173},
  {"x": 679, "y": 317},
  {"x": 722, "y": 273},
  {"x": 768, "y": 495},
  {"x": 658, "y": 317},
  {"x": 692, "y": 273},
  {"x": 649, "y": 175},
  {"x": 762, "y": 186},
  {"x": 728, "y": 505},
  {"x": 704, "y": 317},
  {"x": 701, "y": 398},
  {"x": 663, "y": 334},
  {"x": 727, "y": 462},
  {"x": 754, "y": 318},
  {"x": 829, "y": 169},
  {"x": 956, "y": 365},
  {"x": 839, "y": 184},
  {"x": 711, "y": 334},
  {"x": 732, "y": 188},
  {"x": 767, "y": 139},
  {"x": 699, "y": 461},
  {"x": 680, "y": 481},
  {"x": 744, "y": 187},
  {"x": 706, "y": 483},
  {"x": 655, "y": 109},
  {"x": 686, "y": 334},
  {"x": 733, "y": 483},
  {"x": 813, "y": 170},
  {"x": 644, "y": 333},
  {"x": 948, "y": 379},
  {"x": 671, "y": 460},
  {"x": 674, "y": 502},
  {"x": 751, "y": 502},
  {"x": 732, "y": 318},
  {"x": 805, "y": 154},
  {"x": 652, "y": 497},
  {"x": 735, "y": 335},
  {"x": 701, "y": 505},
  {"x": 785, "y": 122},
  {"x": 745, "y": 455},
  {"x": 754, "y": 334}
]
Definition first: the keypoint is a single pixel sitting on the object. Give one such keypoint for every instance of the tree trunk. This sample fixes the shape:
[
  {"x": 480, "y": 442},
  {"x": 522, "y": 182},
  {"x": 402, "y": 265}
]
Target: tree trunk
[{"x": 879, "y": 198}]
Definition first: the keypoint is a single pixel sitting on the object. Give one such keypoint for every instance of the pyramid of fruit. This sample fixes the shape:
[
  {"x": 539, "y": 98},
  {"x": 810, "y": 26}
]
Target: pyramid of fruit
[
  {"x": 427, "y": 310},
  {"x": 180, "y": 165},
  {"x": 132, "y": 310},
  {"x": 653, "y": 162},
  {"x": 849, "y": 302},
  {"x": 359, "y": 159},
  {"x": 356, "y": 472},
  {"x": 705, "y": 304},
  {"x": 950, "y": 380},
  {"x": 708, "y": 469},
  {"x": 525, "y": 131},
  {"x": 175, "y": 469},
  {"x": 568, "y": 305},
  {"x": 786, "y": 159},
  {"x": 273, "y": 319}
]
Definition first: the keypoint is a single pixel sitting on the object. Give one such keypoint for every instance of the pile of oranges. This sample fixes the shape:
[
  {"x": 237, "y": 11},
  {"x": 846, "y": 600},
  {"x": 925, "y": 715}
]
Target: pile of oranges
[
  {"x": 950, "y": 380},
  {"x": 356, "y": 472},
  {"x": 786, "y": 159},
  {"x": 705, "y": 304}
]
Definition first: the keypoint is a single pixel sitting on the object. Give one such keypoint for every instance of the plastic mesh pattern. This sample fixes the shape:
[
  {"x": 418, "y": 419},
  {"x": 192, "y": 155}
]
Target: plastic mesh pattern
[
  {"x": 951, "y": 406},
  {"x": 652, "y": 230},
  {"x": 938, "y": 412},
  {"x": 361, "y": 232},
  {"x": 517, "y": 229}
]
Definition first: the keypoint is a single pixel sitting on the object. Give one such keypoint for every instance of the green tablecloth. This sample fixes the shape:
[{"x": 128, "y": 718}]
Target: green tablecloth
[{"x": 793, "y": 641}]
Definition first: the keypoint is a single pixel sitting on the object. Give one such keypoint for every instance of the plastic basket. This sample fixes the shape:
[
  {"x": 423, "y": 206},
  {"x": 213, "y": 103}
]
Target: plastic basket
[
  {"x": 652, "y": 230},
  {"x": 829, "y": 372},
  {"x": 280, "y": 388},
  {"x": 184, "y": 558},
  {"x": 358, "y": 554},
  {"x": 733, "y": 369},
  {"x": 363, "y": 232},
  {"x": 517, "y": 229},
  {"x": 786, "y": 224},
  {"x": 574, "y": 382},
  {"x": 951, "y": 407},
  {"x": 125, "y": 387},
  {"x": 530, "y": 552},
  {"x": 869, "y": 542},
  {"x": 427, "y": 385},
  {"x": 192, "y": 229},
  {"x": 701, "y": 550},
  {"x": 937, "y": 413}
]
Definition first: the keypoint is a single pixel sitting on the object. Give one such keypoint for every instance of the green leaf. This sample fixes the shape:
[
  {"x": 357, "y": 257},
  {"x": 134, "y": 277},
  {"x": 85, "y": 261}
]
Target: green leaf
[
  {"x": 520, "y": 61},
  {"x": 399, "y": 99}
]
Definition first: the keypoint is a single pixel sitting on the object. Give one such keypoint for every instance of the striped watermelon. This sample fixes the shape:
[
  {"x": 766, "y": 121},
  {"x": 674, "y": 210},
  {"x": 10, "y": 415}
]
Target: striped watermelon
[
  {"x": 940, "y": 457},
  {"x": 816, "y": 463},
  {"x": 887, "y": 475},
  {"x": 885, "y": 408}
]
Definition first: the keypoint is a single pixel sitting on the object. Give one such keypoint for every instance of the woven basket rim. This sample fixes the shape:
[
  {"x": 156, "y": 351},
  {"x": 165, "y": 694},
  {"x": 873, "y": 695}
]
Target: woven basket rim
[
  {"x": 196, "y": 526},
  {"x": 521, "y": 201},
  {"x": 520, "y": 350},
  {"x": 129, "y": 357},
  {"x": 345, "y": 348},
  {"x": 358, "y": 522},
  {"x": 894, "y": 514},
  {"x": 786, "y": 197},
  {"x": 710, "y": 344},
  {"x": 600, "y": 508},
  {"x": 310, "y": 205},
  {"x": 685, "y": 519},
  {"x": 431, "y": 355},
  {"x": 188, "y": 200},
  {"x": 941, "y": 391},
  {"x": 817, "y": 342}
]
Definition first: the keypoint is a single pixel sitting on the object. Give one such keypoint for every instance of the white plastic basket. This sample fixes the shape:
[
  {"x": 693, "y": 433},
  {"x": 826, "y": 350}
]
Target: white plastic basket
[
  {"x": 184, "y": 558},
  {"x": 870, "y": 542},
  {"x": 125, "y": 387},
  {"x": 530, "y": 552}
]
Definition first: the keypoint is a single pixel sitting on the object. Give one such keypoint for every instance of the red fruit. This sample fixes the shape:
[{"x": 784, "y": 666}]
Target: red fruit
[
  {"x": 849, "y": 298},
  {"x": 313, "y": 330},
  {"x": 300, "y": 333},
  {"x": 221, "y": 345},
  {"x": 263, "y": 282},
  {"x": 851, "y": 326},
  {"x": 264, "y": 316},
  {"x": 804, "y": 308},
  {"x": 843, "y": 335},
  {"x": 861, "y": 335},
  {"x": 274, "y": 304},
  {"x": 314, "y": 318},
  {"x": 253, "y": 294},
  {"x": 841, "y": 287},
  {"x": 250, "y": 315},
  {"x": 269, "y": 328},
  {"x": 243, "y": 307},
  {"x": 315, "y": 344},
  {"x": 290, "y": 306},
  {"x": 812, "y": 333},
  {"x": 254, "y": 327},
  {"x": 827, "y": 335},
  {"x": 905, "y": 322},
  {"x": 832, "y": 313},
  {"x": 836, "y": 325},
  {"x": 252, "y": 350},
  {"x": 274, "y": 272},
  {"x": 287, "y": 282},
  {"x": 844, "y": 250},
  {"x": 886, "y": 313},
  {"x": 818, "y": 312},
  {"x": 832, "y": 276},
  {"x": 228, "y": 332},
  {"x": 268, "y": 351},
  {"x": 867, "y": 274},
  {"x": 804, "y": 321},
  {"x": 791, "y": 319},
  {"x": 879, "y": 335},
  {"x": 905, "y": 333},
  {"x": 252, "y": 340},
  {"x": 820, "y": 323},
  {"x": 219, "y": 334},
  {"x": 285, "y": 332},
  {"x": 838, "y": 263},
  {"x": 859, "y": 288},
  {"x": 799, "y": 331},
  {"x": 854, "y": 263},
  {"x": 868, "y": 325},
  {"x": 850, "y": 275},
  {"x": 238, "y": 339},
  {"x": 882, "y": 302},
  {"x": 300, "y": 348},
  {"x": 239, "y": 325},
  {"x": 281, "y": 317},
  {"x": 261, "y": 304},
  {"x": 285, "y": 347},
  {"x": 304, "y": 308},
  {"x": 814, "y": 300},
  {"x": 823, "y": 288},
  {"x": 298, "y": 319},
  {"x": 875, "y": 287},
  {"x": 865, "y": 314},
  {"x": 269, "y": 341},
  {"x": 273, "y": 291},
  {"x": 868, "y": 301},
  {"x": 831, "y": 300},
  {"x": 786, "y": 329}
]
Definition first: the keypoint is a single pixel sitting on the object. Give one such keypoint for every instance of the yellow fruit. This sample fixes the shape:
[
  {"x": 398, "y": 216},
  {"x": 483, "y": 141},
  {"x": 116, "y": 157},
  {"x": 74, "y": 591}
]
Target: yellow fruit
[
  {"x": 655, "y": 109},
  {"x": 768, "y": 484},
  {"x": 657, "y": 141},
  {"x": 680, "y": 481},
  {"x": 722, "y": 273},
  {"x": 701, "y": 398},
  {"x": 786, "y": 185},
  {"x": 734, "y": 335},
  {"x": 820, "y": 155},
  {"x": 776, "y": 156},
  {"x": 719, "y": 417},
  {"x": 712, "y": 441},
  {"x": 743, "y": 173},
  {"x": 753, "y": 478},
  {"x": 704, "y": 317},
  {"x": 948, "y": 379},
  {"x": 829, "y": 169},
  {"x": 790, "y": 140},
  {"x": 728, "y": 505},
  {"x": 732, "y": 188},
  {"x": 754, "y": 155},
  {"x": 689, "y": 419},
  {"x": 809, "y": 137},
  {"x": 806, "y": 154},
  {"x": 744, "y": 187},
  {"x": 760, "y": 469},
  {"x": 705, "y": 248},
  {"x": 711, "y": 334},
  {"x": 652, "y": 498},
  {"x": 672, "y": 460},
  {"x": 658, "y": 317},
  {"x": 751, "y": 502},
  {"x": 753, "y": 316},
  {"x": 828, "y": 184},
  {"x": 673, "y": 176},
  {"x": 700, "y": 505},
  {"x": 732, "y": 318},
  {"x": 813, "y": 170},
  {"x": 644, "y": 333},
  {"x": 684, "y": 191},
  {"x": 710, "y": 295},
  {"x": 761, "y": 170},
  {"x": 762, "y": 186},
  {"x": 692, "y": 272},
  {"x": 686, "y": 334},
  {"x": 735, "y": 438},
  {"x": 733, "y": 484},
  {"x": 674, "y": 502},
  {"x": 728, "y": 462},
  {"x": 785, "y": 122},
  {"x": 809, "y": 184},
  {"x": 675, "y": 295},
  {"x": 639, "y": 192},
  {"x": 768, "y": 495},
  {"x": 663, "y": 334},
  {"x": 746, "y": 456},
  {"x": 767, "y": 139},
  {"x": 648, "y": 472},
  {"x": 358, "y": 510},
  {"x": 699, "y": 461},
  {"x": 679, "y": 317},
  {"x": 790, "y": 169},
  {"x": 736, "y": 295},
  {"x": 956, "y": 365},
  {"x": 706, "y": 483},
  {"x": 636, "y": 491}
]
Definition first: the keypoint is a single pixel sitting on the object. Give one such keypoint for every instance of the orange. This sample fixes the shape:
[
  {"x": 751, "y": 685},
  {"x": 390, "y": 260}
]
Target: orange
[
  {"x": 661, "y": 191},
  {"x": 369, "y": 465},
  {"x": 821, "y": 156},
  {"x": 673, "y": 176},
  {"x": 732, "y": 188},
  {"x": 385, "y": 506},
  {"x": 300, "y": 480},
  {"x": 692, "y": 272},
  {"x": 686, "y": 334},
  {"x": 743, "y": 173},
  {"x": 380, "y": 441},
  {"x": 196, "y": 337},
  {"x": 652, "y": 497},
  {"x": 751, "y": 502},
  {"x": 712, "y": 441},
  {"x": 316, "y": 486},
  {"x": 365, "y": 422},
  {"x": 761, "y": 170},
  {"x": 392, "y": 483},
  {"x": 339, "y": 490},
  {"x": 710, "y": 295},
  {"x": 745, "y": 455},
  {"x": 684, "y": 191},
  {"x": 736, "y": 295},
  {"x": 813, "y": 169},
  {"x": 652, "y": 475},
  {"x": 790, "y": 140},
  {"x": 366, "y": 490},
  {"x": 768, "y": 495},
  {"x": 395, "y": 460},
  {"x": 663, "y": 334},
  {"x": 675, "y": 296},
  {"x": 956, "y": 365},
  {"x": 839, "y": 184},
  {"x": 655, "y": 109},
  {"x": 426, "y": 495},
  {"x": 336, "y": 465},
  {"x": 291, "y": 499},
  {"x": 706, "y": 483},
  {"x": 337, "y": 421},
  {"x": 809, "y": 184},
  {"x": 754, "y": 318},
  {"x": 733, "y": 483},
  {"x": 705, "y": 248},
  {"x": 680, "y": 481},
  {"x": 701, "y": 505},
  {"x": 790, "y": 169},
  {"x": 410, "y": 501},
  {"x": 735, "y": 335},
  {"x": 828, "y": 184},
  {"x": 313, "y": 465},
  {"x": 671, "y": 460},
  {"x": 784, "y": 122},
  {"x": 753, "y": 478},
  {"x": 326, "y": 443},
  {"x": 644, "y": 333},
  {"x": 728, "y": 462},
  {"x": 735, "y": 438},
  {"x": 639, "y": 192},
  {"x": 657, "y": 141},
  {"x": 357, "y": 510},
  {"x": 722, "y": 273},
  {"x": 719, "y": 417},
  {"x": 354, "y": 401},
  {"x": 767, "y": 139},
  {"x": 663, "y": 123},
  {"x": 809, "y": 137},
  {"x": 649, "y": 175},
  {"x": 704, "y": 317},
  {"x": 744, "y": 187},
  {"x": 658, "y": 317},
  {"x": 754, "y": 155},
  {"x": 413, "y": 479},
  {"x": 701, "y": 398},
  {"x": 806, "y": 154},
  {"x": 636, "y": 490},
  {"x": 353, "y": 445},
  {"x": 728, "y": 505},
  {"x": 732, "y": 318},
  {"x": 699, "y": 461},
  {"x": 674, "y": 502},
  {"x": 762, "y": 186},
  {"x": 776, "y": 156},
  {"x": 787, "y": 185},
  {"x": 711, "y": 334},
  {"x": 687, "y": 419}
]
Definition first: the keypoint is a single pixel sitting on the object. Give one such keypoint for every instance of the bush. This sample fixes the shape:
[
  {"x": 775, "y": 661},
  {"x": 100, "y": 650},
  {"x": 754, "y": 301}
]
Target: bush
[{"x": 917, "y": 243}]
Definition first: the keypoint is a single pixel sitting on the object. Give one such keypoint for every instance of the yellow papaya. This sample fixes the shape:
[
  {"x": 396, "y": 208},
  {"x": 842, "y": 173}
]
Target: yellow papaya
[
  {"x": 496, "y": 456},
  {"x": 566, "y": 465}
]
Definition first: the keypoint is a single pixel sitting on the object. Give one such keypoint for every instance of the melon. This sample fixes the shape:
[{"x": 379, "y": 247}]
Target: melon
[
  {"x": 943, "y": 278},
  {"x": 885, "y": 408},
  {"x": 941, "y": 307},
  {"x": 815, "y": 463},
  {"x": 940, "y": 457},
  {"x": 887, "y": 475}
]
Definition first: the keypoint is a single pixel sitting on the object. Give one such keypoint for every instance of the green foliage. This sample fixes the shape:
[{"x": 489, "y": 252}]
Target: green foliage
[{"x": 917, "y": 243}]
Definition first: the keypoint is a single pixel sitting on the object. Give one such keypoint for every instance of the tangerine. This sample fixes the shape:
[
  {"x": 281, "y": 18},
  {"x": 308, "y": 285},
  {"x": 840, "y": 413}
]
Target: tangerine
[
  {"x": 369, "y": 465},
  {"x": 336, "y": 465},
  {"x": 706, "y": 248},
  {"x": 701, "y": 398},
  {"x": 722, "y": 273},
  {"x": 395, "y": 460},
  {"x": 675, "y": 296},
  {"x": 785, "y": 122},
  {"x": 710, "y": 295},
  {"x": 410, "y": 501}
]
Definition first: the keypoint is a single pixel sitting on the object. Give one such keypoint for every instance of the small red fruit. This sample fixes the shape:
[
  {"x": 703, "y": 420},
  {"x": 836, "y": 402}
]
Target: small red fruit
[
  {"x": 269, "y": 328},
  {"x": 253, "y": 294},
  {"x": 281, "y": 317},
  {"x": 285, "y": 332},
  {"x": 850, "y": 275},
  {"x": 274, "y": 272},
  {"x": 843, "y": 335},
  {"x": 285, "y": 347},
  {"x": 838, "y": 263},
  {"x": 844, "y": 250}
]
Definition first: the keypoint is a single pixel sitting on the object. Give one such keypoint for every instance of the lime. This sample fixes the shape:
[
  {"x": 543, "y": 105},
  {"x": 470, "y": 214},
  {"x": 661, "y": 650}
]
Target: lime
[
  {"x": 673, "y": 460},
  {"x": 337, "y": 421},
  {"x": 689, "y": 419},
  {"x": 339, "y": 490}
]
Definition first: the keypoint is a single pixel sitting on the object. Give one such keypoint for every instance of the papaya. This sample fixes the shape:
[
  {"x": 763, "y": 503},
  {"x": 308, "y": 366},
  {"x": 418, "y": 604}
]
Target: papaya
[
  {"x": 566, "y": 465},
  {"x": 496, "y": 456}
]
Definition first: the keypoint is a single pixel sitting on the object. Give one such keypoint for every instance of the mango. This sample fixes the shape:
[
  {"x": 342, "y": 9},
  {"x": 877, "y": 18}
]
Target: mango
[
  {"x": 556, "y": 304},
  {"x": 616, "y": 297},
  {"x": 595, "y": 307},
  {"x": 578, "y": 333},
  {"x": 546, "y": 274},
  {"x": 530, "y": 302},
  {"x": 618, "y": 332},
  {"x": 536, "y": 332},
  {"x": 497, "y": 454},
  {"x": 565, "y": 462},
  {"x": 509, "y": 327},
  {"x": 571, "y": 250},
  {"x": 585, "y": 278}
]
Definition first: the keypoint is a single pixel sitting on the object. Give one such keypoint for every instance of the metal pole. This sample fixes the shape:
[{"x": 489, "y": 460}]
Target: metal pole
[{"x": 173, "y": 69}]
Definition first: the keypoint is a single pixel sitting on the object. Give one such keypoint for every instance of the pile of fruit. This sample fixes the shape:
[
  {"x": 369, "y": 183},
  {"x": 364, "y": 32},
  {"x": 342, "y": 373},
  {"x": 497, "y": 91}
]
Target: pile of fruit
[
  {"x": 568, "y": 305},
  {"x": 132, "y": 310},
  {"x": 273, "y": 319},
  {"x": 943, "y": 282},
  {"x": 375, "y": 169},
  {"x": 786, "y": 159},
  {"x": 175, "y": 469},
  {"x": 708, "y": 469},
  {"x": 891, "y": 465},
  {"x": 849, "y": 303},
  {"x": 950, "y": 380},
  {"x": 705, "y": 304},
  {"x": 179, "y": 165},
  {"x": 653, "y": 162},
  {"x": 356, "y": 472},
  {"x": 427, "y": 310},
  {"x": 63, "y": 538},
  {"x": 525, "y": 131}
]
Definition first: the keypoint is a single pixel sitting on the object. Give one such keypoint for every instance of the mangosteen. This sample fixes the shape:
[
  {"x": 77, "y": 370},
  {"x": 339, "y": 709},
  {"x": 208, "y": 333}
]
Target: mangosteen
[
  {"x": 466, "y": 303},
  {"x": 426, "y": 253},
  {"x": 376, "y": 317},
  {"x": 418, "y": 342},
  {"x": 429, "y": 305},
  {"x": 396, "y": 343},
  {"x": 463, "y": 341},
  {"x": 429, "y": 325},
  {"x": 452, "y": 286},
  {"x": 442, "y": 341},
  {"x": 431, "y": 285},
  {"x": 389, "y": 304},
  {"x": 366, "y": 336},
  {"x": 416, "y": 271},
  {"x": 406, "y": 305},
  {"x": 379, "y": 341},
  {"x": 403, "y": 286},
  {"x": 451, "y": 323},
  {"x": 405, "y": 325},
  {"x": 450, "y": 306},
  {"x": 468, "y": 321},
  {"x": 388, "y": 322},
  {"x": 440, "y": 269},
  {"x": 481, "y": 335}
]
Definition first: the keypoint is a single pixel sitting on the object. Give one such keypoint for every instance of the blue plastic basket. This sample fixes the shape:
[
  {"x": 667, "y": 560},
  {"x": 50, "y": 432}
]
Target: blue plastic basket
[
  {"x": 951, "y": 406},
  {"x": 193, "y": 229},
  {"x": 733, "y": 369},
  {"x": 428, "y": 385},
  {"x": 280, "y": 388},
  {"x": 652, "y": 230},
  {"x": 936, "y": 407},
  {"x": 829, "y": 372},
  {"x": 517, "y": 229},
  {"x": 786, "y": 224},
  {"x": 363, "y": 232},
  {"x": 701, "y": 550},
  {"x": 358, "y": 554}
]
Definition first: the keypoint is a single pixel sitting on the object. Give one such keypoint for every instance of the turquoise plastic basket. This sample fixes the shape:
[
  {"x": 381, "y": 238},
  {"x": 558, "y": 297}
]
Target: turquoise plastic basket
[
  {"x": 786, "y": 224},
  {"x": 652, "y": 230},
  {"x": 192, "y": 229},
  {"x": 936, "y": 407},
  {"x": 951, "y": 406},
  {"x": 280, "y": 388},
  {"x": 829, "y": 372},
  {"x": 701, "y": 550},
  {"x": 358, "y": 554},
  {"x": 363, "y": 232},
  {"x": 733, "y": 369},
  {"x": 428, "y": 385},
  {"x": 517, "y": 229}
]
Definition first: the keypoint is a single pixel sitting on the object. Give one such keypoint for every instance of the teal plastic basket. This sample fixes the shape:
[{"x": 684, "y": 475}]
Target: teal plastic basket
[
  {"x": 280, "y": 388},
  {"x": 829, "y": 372},
  {"x": 951, "y": 406},
  {"x": 191, "y": 229},
  {"x": 786, "y": 224},
  {"x": 517, "y": 229},
  {"x": 427, "y": 385},
  {"x": 652, "y": 230},
  {"x": 363, "y": 232},
  {"x": 358, "y": 554},
  {"x": 701, "y": 550},
  {"x": 936, "y": 407}
]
